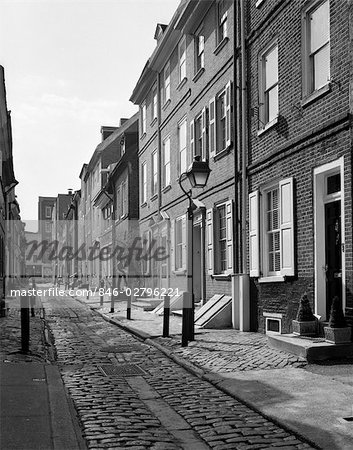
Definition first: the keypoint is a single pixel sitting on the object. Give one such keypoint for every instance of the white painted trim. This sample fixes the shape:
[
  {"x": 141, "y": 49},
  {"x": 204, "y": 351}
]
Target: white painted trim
[
  {"x": 277, "y": 320},
  {"x": 270, "y": 314},
  {"x": 319, "y": 176},
  {"x": 272, "y": 279}
]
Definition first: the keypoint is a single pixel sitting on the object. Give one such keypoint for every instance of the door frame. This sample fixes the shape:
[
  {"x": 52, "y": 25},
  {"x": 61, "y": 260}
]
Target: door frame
[{"x": 320, "y": 199}]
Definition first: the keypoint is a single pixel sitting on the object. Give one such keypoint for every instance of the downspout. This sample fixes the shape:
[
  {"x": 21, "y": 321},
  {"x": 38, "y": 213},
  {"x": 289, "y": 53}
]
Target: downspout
[
  {"x": 236, "y": 128},
  {"x": 244, "y": 134}
]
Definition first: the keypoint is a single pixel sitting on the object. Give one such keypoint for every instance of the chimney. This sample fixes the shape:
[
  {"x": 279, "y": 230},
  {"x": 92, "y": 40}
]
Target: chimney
[
  {"x": 160, "y": 29},
  {"x": 107, "y": 131}
]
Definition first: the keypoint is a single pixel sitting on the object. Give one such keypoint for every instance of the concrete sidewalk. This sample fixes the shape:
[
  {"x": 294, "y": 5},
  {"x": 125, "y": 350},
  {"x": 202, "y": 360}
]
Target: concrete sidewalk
[
  {"x": 311, "y": 400},
  {"x": 35, "y": 411}
]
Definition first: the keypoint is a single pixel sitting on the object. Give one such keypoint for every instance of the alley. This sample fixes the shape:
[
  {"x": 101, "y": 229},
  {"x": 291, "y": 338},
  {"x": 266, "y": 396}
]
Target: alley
[{"x": 129, "y": 395}]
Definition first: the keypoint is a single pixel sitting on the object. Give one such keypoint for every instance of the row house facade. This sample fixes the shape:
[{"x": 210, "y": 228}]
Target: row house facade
[
  {"x": 11, "y": 227},
  {"x": 118, "y": 202},
  {"x": 186, "y": 99},
  {"x": 299, "y": 165},
  {"x": 262, "y": 91}
]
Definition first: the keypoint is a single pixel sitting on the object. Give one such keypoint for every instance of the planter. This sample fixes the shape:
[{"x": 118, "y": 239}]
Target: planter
[
  {"x": 304, "y": 328},
  {"x": 338, "y": 335}
]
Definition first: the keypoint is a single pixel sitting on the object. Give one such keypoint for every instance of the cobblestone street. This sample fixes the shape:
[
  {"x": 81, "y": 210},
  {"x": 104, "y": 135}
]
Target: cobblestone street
[{"x": 161, "y": 407}]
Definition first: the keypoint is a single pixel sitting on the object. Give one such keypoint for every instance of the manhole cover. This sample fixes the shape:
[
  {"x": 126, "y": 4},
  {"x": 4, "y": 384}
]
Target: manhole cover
[
  {"x": 123, "y": 348},
  {"x": 121, "y": 370}
]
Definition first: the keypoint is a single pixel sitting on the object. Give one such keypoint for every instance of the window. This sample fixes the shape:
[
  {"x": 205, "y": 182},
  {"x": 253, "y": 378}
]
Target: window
[
  {"x": 271, "y": 235},
  {"x": 219, "y": 226},
  {"x": 143, "y": 119},
  {"x": 182, "y": 60},
  {"x": 166, "y": 162},
  {"x": 146, "y": 238},
  {"x": 268, "y": 86},
  {"x": 144, "y": 182},
  {"x": 182, "y": 146},
  {"x": 219, "y": 124},
  {"x": 154, "y": 103},
  {"x": 200, "y": 51},
  {"x": 317, "y": 47},
  {"x": 180, "y": 243},
  {"x": 167, "y": 83},
  {"x": 154, "y": 181},
  {"x": 48, "y": 211},
  {"x": 124, "y": 199},
  {"x": 198, "y": 136},
  {"x": 222, "y": 21},
  {"x": 122, "y": 147}
]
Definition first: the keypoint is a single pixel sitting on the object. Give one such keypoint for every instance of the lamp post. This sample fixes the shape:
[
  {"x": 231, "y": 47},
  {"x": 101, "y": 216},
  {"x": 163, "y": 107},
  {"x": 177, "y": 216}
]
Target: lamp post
[{"x": 197, "y": 174}]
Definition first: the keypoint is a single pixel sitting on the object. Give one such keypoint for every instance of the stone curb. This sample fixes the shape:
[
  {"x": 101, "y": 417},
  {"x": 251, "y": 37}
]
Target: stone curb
[{"x": 212, "y": 378}]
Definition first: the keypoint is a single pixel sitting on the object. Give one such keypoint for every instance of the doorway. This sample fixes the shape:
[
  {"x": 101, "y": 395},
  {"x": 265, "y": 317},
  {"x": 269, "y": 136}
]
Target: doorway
[
  {"x": 197, "y": 263},
  {"x": 329, "y": 236},
  {"x": 333, "y": 253}
]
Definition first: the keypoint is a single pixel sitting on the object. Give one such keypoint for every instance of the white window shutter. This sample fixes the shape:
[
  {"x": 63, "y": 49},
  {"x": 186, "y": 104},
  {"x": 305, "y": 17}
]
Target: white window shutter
[
  {"x": 210, "y": 238},
  {"x": 172, "y": 246},
  {"x": 254, "y": 234},
  {"x": 230, "y": 234},
  {"x": 192, "y": 140},
  {"x": 204, "y": 135},
  {"x": 287, "y": 227},
  {"x": 212, "y": 127},
  {"x": 228, "y": 114},
  {"x": 184, "y": 240}
]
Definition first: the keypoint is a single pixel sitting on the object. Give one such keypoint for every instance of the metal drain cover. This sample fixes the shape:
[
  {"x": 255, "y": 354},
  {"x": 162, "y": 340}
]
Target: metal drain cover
[
  {"x": 122, "y": 348},
  {"x": 121, "y": 370}
]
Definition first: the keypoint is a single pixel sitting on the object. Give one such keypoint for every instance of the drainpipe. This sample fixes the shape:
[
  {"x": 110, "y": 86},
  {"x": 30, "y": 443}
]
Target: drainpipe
[{"x": 244, "y": 134}]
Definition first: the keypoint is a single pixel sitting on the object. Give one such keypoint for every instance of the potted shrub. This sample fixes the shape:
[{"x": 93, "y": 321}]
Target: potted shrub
[
  {"x": 305, "y": 323},
  {"x": 337, "y": 332}
]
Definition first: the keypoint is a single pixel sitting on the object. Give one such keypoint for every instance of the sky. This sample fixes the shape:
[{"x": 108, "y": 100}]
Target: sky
[{"x": 70, "y": 67}]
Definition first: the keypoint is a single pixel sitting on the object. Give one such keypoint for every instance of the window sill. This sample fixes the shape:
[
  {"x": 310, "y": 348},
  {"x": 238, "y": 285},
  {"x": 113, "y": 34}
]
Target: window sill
[
  {"x": 221, "y": 277},
  {"x": 182, "y": 83},
  {"x": 179, "y": 272},
  {"x": 198, "y": 74},
  {"x": 153, "y": 122},
  {"x": 166, "y": 104},
  {"x": 143, "y": 136},
  {"x": 143, "y": 205},
  {"x": 222, "y": 153},
  {"x": 154, "y": 197},
  {"x": 167, "y": 188},
  {"x": 268, "y": 126},
  {"x": 272, "y": 279},
  {"x": 316, "y": 94},
  {"x": 221, "y": 45}
]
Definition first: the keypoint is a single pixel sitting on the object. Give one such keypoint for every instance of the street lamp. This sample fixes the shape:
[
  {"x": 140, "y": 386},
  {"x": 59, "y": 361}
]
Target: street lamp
[{"x": 197, "y": 174}]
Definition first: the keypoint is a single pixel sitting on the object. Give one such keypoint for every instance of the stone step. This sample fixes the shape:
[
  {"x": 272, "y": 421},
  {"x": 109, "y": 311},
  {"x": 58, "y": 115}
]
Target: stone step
[
  {"x": 147, "y": 304},
  {"x": 312, "y": 349}
]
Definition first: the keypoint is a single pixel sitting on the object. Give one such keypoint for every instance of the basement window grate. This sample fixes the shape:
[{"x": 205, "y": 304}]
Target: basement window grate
[
  {"x": 123, "y": 348},
  {"x": 121, "y": 370}
]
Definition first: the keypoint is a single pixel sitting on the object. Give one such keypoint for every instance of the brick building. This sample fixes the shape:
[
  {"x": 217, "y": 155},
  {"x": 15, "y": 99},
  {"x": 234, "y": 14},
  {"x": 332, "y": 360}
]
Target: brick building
[
  {"x": 299, "y": 166},
  {"x": 118, "y": 201},
  {"x": 11, "y": 227},
  {"x": 187, "y": 109}
]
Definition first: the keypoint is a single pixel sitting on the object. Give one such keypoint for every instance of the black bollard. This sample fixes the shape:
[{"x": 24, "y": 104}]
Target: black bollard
[
  {"x": 128, "y": 308},
  {"x": 25, "y": 324},
  {"x": 166, "y": 316}
]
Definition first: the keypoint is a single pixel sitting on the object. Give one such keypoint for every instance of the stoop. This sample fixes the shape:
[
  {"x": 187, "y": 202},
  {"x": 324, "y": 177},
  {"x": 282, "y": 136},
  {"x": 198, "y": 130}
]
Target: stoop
[{"x": 312, "y": 349}]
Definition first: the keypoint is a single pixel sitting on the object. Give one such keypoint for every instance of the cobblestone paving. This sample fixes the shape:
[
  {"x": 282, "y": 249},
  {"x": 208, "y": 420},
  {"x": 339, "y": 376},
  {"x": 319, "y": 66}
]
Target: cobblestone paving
[
  {"x": 10, "y": 337},
  {"x": 166, "y": 408},
  {"x": 236, "y": 352}
]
